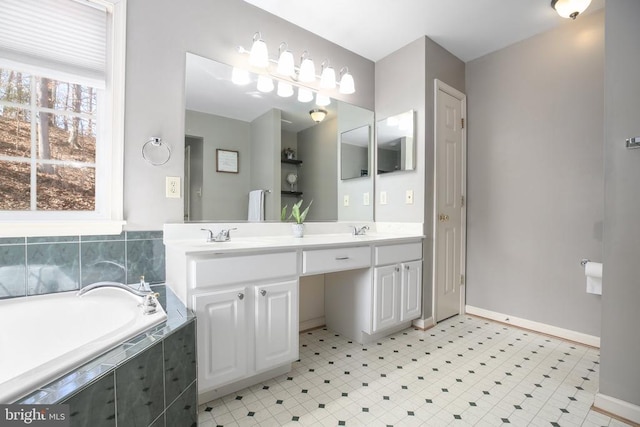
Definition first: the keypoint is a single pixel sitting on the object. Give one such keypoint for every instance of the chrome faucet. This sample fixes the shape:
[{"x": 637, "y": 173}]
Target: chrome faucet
[
  {"x": 223, "y": 235},
  {"x": 360, "y": 231},
  {"x": 98, "y": 285}
]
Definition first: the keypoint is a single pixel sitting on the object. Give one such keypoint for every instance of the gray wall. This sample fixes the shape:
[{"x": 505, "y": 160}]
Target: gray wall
[
  {"x": 317, "y": 178},
  {"x": 619, "y": 373},
  {"x": 154, "y": 102},
  {"x": 196, "y": 179},
  {"x": 265, "y": 162},
  {"x": 535, "y": 176},
  {"x": 221, "y": 132}
]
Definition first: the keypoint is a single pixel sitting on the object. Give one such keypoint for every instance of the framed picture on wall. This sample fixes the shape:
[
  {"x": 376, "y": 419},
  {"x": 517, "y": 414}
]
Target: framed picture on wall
[{"x": 226, "y": 161}]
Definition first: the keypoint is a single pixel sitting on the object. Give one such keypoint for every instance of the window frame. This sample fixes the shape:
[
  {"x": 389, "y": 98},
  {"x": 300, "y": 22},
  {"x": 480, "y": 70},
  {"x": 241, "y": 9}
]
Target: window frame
[{"x": 107, "y": 218}]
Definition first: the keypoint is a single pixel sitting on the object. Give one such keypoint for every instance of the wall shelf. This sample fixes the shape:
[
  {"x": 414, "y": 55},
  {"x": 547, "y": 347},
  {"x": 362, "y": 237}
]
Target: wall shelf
[
  {"x": 291, "y": 161},
  {"x": 291, "y": 193}
]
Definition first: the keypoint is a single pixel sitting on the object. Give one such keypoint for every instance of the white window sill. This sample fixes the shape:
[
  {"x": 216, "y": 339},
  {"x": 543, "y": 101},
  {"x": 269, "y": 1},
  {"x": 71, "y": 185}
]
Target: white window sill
[{"x": 59, "y": 228}]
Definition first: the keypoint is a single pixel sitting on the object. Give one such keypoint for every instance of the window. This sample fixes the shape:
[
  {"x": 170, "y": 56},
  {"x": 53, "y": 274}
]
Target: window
[{"x": 61, "y": 116}]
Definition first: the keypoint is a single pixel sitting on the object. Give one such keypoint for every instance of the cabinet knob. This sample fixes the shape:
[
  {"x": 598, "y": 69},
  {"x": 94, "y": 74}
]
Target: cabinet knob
[
  {"x": 406, "y": 267},
  {"x": 397, "y": 268},
  {"x": 240, "y": 296},
  {"x": 263, "y": 292}
]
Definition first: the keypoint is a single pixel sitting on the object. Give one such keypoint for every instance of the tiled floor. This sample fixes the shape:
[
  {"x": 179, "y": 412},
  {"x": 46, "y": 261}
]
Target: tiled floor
[{"x": 465, "y": 371}]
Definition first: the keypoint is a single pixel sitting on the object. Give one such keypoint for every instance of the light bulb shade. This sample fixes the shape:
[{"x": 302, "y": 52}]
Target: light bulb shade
[
  {"x": 305, "y": 95},
  {"x": 286, "y": 65},
  {"x": 307, "y": 71},
  {"x": 318, "y": 114},
  {"x": 328, "y": 78},
  {"x": 259, "y": 56},
  {"x": 347, "y": 85},
  {"x": 570, "y": 8},
  {"x": 240, "y": 77},
  {"x": 285, "y": 90},
  {"x": 265, "y": 84},
  {"x": 322, "y": 100}
]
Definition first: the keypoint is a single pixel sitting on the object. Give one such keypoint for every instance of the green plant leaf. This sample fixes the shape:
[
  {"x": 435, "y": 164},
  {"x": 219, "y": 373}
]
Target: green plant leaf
[{"x": 283, "y": 214}]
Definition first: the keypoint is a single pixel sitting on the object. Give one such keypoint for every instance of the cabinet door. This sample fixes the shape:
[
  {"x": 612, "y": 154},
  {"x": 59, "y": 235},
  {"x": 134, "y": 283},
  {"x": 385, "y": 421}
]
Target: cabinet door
[
  {"x": 276, "y": 324},
  {"x": 411, "y": 290},
  {"x": 222, "y": 336},
  {"x": 386, "y": 293}
]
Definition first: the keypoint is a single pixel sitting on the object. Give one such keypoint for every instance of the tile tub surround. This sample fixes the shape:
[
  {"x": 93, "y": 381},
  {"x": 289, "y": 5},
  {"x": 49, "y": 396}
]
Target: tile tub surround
[
  {"x": 465, "y": 371},
  {"x": 143, "y": 382},
  {"x": 40, "y": 265}
]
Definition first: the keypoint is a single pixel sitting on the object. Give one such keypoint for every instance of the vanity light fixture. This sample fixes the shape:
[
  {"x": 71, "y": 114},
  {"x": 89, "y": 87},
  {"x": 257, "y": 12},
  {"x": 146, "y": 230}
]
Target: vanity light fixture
[
  {"x": 285, "y": 90},
  {"x": 570, "y": 8},
  {"x": 327, "y": 76},
  {"x": 259, "y": 55},
  {"x": 307, "y": 71},
  {"x": 322, "y": 100},
  {"x": 347, "y": 85},
  {"x": 318, "y": 114},
  {"x": 265, "y": 84},
  {"x": 286, "y": 66},
  {"x": 304, "y": 95}
]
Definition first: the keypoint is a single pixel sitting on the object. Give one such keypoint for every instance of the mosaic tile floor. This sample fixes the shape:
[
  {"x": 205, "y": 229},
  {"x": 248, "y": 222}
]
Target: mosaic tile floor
[{"x": 466, "y": 371}]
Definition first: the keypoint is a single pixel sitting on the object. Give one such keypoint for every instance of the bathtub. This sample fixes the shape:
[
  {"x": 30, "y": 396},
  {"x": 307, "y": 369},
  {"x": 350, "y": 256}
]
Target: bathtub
[{"x": 44, "y": 337}]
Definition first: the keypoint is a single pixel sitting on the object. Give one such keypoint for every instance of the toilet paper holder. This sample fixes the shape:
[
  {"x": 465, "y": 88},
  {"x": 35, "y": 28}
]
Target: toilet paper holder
[{"x": 584, "y": 261}]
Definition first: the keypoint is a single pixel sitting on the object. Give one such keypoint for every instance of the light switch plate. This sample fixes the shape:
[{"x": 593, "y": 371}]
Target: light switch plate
[
  {"x": 383, "y": 197},
  {"x": 173, "y": 187},
  {"x": 345, "y": 200},
  {"x": 365, "y": 199}
]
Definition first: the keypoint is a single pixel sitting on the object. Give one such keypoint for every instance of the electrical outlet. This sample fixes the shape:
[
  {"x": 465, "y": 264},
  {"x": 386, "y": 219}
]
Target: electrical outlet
[
  {"x": 345, "y": 200},
  {"x": 408, "y": 197},
  {"x": 173, "y": 187},
  {"x": 383, "y": 197},
  {"x": 365, "y": 199}
]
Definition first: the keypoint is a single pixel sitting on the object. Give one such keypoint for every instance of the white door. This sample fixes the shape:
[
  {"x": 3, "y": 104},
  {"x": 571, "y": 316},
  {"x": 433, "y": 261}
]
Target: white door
[
  {"x": 276, "y": 324},
  {"x": 449, "y": 221},
  {"x": 411, "y": 290},
  {"x": 222, "y": 337},
  {"x": 386, "y": 291}
]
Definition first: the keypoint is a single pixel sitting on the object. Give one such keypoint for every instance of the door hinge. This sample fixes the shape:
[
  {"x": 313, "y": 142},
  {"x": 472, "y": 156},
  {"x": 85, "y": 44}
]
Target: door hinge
[
  {"x": 462, "y": 279},
  {"x": 461, "y": 201},
  {"x": 462, "y": 122}
]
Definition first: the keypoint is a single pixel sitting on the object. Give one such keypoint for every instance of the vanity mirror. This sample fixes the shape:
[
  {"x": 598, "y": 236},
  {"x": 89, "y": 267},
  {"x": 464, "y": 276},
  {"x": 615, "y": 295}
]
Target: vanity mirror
[
  {"x": 275, "y": 138},
  {"x": 395, "y": 143},
  {"x": 354, "y": 153}
]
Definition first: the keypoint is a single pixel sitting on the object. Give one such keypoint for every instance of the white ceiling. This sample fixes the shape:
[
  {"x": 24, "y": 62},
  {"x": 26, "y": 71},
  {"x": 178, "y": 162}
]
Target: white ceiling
[{"x": 375, "y": 28}]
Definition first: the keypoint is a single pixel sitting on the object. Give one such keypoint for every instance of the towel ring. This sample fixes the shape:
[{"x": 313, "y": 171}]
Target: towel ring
[{"x": 155, "y": 142}]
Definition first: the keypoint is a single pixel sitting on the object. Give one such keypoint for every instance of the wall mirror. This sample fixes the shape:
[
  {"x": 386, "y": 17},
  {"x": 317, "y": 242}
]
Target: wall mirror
[
  {"x": 280, "y": 149},
  {"x": 396, "y": 143},
  {"x": 354, "y": 153}
]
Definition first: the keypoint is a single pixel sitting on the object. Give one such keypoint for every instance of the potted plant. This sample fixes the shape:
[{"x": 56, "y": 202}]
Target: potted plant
[{"x": 298, "y": 216}]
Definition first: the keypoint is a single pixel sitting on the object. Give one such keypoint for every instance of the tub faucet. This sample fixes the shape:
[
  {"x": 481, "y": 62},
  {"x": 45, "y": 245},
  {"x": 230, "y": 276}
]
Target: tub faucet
[
  {"x": 98, "y": 285},
  {"x": 223, "y": 235},
  {"x": 360, "y": 231}
]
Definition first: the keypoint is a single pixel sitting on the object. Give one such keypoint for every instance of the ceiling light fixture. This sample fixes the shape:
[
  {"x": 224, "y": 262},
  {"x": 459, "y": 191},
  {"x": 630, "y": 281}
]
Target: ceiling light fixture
[
  {"x": 347, "y": 85},
  {"x": 318, "y": 114},
  {"x": 570, "y": 8},
  {"x": 259, "y": 55}
]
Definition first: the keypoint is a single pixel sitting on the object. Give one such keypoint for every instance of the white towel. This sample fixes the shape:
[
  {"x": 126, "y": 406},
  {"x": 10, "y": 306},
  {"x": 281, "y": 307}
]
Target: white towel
[{"x": 256, "y": 206}]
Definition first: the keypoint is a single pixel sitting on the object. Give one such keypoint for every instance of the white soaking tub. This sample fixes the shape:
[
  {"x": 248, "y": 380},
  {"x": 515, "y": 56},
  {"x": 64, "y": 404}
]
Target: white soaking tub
[{"x": 44, "y": 337}]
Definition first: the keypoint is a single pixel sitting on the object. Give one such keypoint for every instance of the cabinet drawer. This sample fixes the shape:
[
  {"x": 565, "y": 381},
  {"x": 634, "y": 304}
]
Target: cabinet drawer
[
  {"x": 327, "y": 260},
  {"x": 391, "y": 254},
  {"x": 229, "y": 270}
]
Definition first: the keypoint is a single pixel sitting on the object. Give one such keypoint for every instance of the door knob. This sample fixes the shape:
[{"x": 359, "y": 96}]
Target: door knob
[
  {"x": 443, "y": 218},
  {"x": 241, "y": 296},
  {"x": 263, "y": 292}
]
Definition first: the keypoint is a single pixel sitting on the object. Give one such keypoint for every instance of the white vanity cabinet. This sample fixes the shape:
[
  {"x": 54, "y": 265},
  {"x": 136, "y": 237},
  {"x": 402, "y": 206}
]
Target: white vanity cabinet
[{"x": 397, "y": 292}]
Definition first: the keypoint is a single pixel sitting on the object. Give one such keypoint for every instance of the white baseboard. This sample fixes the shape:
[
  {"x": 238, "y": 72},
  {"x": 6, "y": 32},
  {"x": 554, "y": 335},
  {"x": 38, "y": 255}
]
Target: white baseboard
[
  {"x": 567, "y": 334},
  {"x": 424, "y": 323},
  {"x": 312, "y": 324},
  {"x": 617, "y": 407}
]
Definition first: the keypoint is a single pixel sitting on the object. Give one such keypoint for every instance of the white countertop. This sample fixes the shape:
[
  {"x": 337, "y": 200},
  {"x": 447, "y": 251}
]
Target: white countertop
[{"x": 309, "y": 241}]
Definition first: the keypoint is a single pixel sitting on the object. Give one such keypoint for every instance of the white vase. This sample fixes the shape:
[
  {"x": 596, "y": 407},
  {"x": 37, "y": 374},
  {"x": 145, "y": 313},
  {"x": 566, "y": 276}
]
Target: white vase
[{"x": 298, "y": 230}]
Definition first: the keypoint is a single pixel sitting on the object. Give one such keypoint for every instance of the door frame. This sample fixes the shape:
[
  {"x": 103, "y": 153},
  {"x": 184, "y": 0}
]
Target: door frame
[{"x": 441, "y": 86}]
